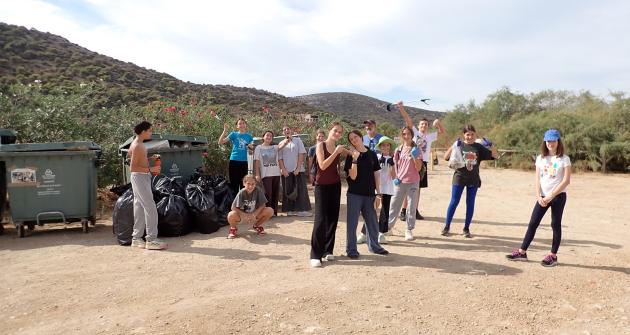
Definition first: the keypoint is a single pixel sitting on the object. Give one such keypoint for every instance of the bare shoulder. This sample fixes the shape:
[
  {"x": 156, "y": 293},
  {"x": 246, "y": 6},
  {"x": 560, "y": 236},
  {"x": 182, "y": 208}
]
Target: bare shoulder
[{"x": 137, "y": 147}]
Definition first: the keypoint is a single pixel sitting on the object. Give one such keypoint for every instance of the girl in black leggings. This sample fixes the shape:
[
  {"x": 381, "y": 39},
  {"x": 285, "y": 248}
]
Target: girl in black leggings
[{"x": 553, "y": 175}]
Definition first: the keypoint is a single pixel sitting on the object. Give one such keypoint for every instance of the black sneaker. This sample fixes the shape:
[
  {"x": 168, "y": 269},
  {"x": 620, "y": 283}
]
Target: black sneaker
[
  {"x": 445, "y": 231},
  {"x": 419, "y": 216},
  {"x": 403, "y": 215},
  {"x": 353, "y": 256},
  {"x": 467, "y": 233},
  {"x": 517, "y": 256},
  {"x": 382, "y": 252},
  {"x": 549, "y": 261}
]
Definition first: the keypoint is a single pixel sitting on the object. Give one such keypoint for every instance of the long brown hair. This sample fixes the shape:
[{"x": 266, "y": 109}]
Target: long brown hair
[
  {"x": 545, "y": 152},
  {"x": 356, "y": 132},
  {"x": 413, "y": 144}
]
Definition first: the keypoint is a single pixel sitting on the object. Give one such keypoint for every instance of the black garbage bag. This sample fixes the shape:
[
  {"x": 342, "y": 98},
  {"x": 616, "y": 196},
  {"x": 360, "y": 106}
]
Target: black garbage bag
[
  {"x": 123, "y": 218},
  {"x": 173, "y": 216},
  {"x": 223, "y": 197},
  {"x": 202, "y": 208},
  {"x": 163, "y": 186},
  {"x": 121, "y": 189}
]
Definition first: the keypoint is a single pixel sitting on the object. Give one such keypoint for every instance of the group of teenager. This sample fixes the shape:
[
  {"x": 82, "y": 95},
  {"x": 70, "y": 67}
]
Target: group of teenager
[{"x": 379, "y": 174}]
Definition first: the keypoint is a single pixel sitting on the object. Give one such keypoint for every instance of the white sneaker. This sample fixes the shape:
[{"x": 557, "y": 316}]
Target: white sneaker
[
  {"x": 328, "y": 258},
  {"x": 316, "y": 263},
  {"x": 138, "y": 243},
  {"x": 290, "y": 213},
  {"x": 303, "y": 214},
  {"x": 381, "y": 238},
  {"x": 408, "y": 235},
  {"x": 156, "y": 245},
  {"x": 361, "y": 238}
]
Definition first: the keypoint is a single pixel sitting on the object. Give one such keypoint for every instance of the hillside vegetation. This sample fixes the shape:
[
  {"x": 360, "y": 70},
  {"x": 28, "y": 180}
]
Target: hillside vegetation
[
  {"x": 53, "y": 90},
  {"x": 595, "y": 130},
  {"x": 28, "y": 56}
]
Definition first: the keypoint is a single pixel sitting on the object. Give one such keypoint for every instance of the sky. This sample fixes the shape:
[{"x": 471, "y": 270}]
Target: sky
[{"x": 449, "y": 51}]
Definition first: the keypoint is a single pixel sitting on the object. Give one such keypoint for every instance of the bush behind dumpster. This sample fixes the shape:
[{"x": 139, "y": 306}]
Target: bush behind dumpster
[{"x": 59, "y": 115}]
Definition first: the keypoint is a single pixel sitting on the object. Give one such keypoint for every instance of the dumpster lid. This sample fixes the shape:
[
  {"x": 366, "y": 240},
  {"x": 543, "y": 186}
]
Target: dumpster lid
[
  {"x": 193, "y": 140},
  {"x": 7, "y": 132},
  {"x": 54, "y": 146},
  {"x": 7, "y": 136}
]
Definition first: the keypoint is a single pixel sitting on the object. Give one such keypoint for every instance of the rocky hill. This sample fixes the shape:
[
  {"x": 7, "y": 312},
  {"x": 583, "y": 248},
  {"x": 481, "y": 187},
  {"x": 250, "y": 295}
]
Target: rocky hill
[
  {"x": 27, "y": 55},
  {"x": 354, "y": 108}
]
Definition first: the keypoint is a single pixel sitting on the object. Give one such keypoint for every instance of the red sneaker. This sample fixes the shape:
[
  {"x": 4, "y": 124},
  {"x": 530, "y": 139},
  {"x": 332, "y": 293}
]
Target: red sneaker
[
  {"x": 232, "y": 233},
  {"x": 260, "y": 230}
]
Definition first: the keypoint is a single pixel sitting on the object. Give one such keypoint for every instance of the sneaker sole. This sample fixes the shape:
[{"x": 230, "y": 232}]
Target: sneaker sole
[
  {"x": 157, "y": 248},
  {"x": 517, "y": 259},
  {"x": 550, "y": 265}
]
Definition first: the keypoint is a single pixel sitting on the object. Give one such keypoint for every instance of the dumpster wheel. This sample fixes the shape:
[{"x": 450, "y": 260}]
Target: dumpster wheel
[
  {"x": 84, "y": 225},
  {"x": 20, "y": 229}
]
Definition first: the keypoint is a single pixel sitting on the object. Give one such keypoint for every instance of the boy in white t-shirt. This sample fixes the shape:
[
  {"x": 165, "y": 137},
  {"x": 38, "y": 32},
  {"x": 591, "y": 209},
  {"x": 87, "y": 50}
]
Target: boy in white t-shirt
[{"x": 553, "y": 175}]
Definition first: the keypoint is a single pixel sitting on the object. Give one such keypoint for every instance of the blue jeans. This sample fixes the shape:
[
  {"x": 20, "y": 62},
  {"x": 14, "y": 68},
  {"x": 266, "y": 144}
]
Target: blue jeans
[
  {"x": 456, "y": 195},
  {"x": 364, "y": 205}
]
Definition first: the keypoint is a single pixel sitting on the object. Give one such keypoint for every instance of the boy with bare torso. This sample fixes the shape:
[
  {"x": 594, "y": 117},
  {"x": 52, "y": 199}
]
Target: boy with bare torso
[{"x": 144, "y": 211}]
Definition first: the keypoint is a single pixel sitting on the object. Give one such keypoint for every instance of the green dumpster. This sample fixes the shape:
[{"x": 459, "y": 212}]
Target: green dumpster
[
  {"x": 51, "y": 182},
  {"x": 180, "y": 155},
  {"x": 6, "y": 137}
]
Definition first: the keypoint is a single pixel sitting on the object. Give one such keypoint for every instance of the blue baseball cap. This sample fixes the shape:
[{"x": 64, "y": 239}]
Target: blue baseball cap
[{"x": 552, "y": 135}]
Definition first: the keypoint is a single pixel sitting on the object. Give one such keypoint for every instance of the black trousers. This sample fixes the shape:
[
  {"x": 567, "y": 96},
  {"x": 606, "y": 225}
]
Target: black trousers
[
  {"x": 327, "y": 201},
  {"x": 383, "y": 217},
  {"x": 272, "y": 191},
  {"x": 557, "y": 208},
  {"x": 237, "y": 170}
]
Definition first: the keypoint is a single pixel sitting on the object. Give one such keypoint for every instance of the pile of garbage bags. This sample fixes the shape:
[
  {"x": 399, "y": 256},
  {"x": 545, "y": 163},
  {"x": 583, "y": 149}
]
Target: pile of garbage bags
[{"x": 201, "y": 205}]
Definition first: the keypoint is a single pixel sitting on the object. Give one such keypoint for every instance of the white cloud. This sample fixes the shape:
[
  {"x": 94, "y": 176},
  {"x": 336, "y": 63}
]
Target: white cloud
[{"x": 450, "y": 51}]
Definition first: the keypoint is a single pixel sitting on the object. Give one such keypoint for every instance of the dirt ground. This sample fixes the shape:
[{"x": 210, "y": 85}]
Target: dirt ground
[{"x": 58, "y": 280}]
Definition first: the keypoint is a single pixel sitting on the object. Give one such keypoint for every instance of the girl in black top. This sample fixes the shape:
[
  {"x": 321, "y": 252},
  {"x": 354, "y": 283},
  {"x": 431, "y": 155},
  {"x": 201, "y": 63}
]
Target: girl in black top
[
  {"x": 468, "y": 176},
  {"x": 362, "y": 167}
]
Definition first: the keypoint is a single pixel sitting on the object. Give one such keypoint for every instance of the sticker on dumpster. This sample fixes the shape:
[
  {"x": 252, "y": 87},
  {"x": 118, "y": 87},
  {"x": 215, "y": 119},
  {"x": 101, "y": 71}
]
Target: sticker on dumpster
[
  {"x": 48, "y": 186},
  {"x": 174, "y": 170},
  {"x": 23, "y": 176}
]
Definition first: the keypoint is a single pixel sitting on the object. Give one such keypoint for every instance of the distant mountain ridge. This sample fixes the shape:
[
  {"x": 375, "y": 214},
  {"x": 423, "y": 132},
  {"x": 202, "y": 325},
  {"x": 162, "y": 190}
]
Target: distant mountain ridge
[
  {"x": 27, "y": 55},
  {"x": 355, "y": 108}
]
